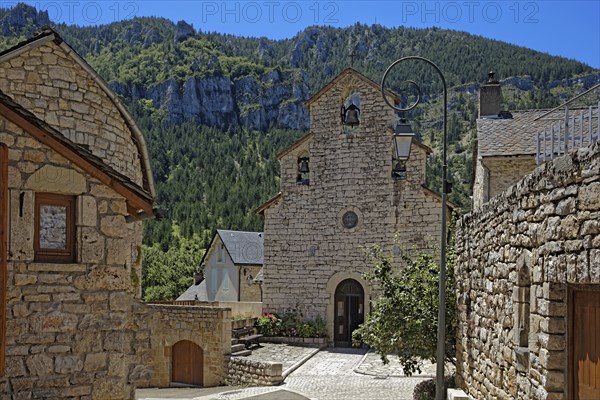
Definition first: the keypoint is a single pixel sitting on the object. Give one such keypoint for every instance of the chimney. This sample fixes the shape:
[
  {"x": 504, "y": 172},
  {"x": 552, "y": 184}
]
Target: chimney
[{"x": 490, "y": 98}]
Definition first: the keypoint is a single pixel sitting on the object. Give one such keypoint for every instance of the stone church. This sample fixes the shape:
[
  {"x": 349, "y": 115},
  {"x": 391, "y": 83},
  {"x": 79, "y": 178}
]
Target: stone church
[{"x": 342, "y": 192}]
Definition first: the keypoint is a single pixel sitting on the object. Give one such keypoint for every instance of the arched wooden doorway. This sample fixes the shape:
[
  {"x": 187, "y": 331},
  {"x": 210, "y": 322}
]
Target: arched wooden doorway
[
  {"x": 349, "y": 311},
  {"x": 187, "y": 363}
]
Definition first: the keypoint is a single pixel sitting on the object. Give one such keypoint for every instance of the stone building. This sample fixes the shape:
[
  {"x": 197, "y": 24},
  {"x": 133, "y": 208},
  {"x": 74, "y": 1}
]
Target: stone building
[
  {"x": 340, "y": 194},
  {"x": 528, "y": 260},
  {"x": 528, "y": 286},
  {"x": 230, "y": 268},
  {"x": 507, "y": 141},
  {"x": 75, "y": 183}
]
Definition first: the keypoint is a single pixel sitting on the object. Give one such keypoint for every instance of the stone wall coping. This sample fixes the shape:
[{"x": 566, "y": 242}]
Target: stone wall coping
[{"x": 183, "y": 307}]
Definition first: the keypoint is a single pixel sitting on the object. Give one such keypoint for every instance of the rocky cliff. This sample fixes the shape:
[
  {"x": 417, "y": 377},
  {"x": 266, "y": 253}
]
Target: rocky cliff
[{"x": 274, "y": 99}]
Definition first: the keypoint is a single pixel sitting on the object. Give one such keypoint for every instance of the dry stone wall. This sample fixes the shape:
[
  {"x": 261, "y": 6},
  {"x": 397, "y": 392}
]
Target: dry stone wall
[
  {"x": 516, "y": 258},
  {"x": 242, "y": 371}
]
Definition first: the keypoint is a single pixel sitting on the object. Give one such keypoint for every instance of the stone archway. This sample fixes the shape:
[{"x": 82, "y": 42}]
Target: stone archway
[
  {"x": 332, "y": 285},
  {"x": 349, "y": 311}
]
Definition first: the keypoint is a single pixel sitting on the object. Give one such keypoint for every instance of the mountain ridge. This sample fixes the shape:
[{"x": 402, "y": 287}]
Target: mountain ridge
[{"x": 216, "y": 108}]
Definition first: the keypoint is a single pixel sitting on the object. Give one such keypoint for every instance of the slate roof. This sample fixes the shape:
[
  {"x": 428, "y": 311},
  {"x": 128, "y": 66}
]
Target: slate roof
[
  {"x": 516, "y": 136},
  {"x": 245, "y": 248},
  {"x": 195, "y": 292}
]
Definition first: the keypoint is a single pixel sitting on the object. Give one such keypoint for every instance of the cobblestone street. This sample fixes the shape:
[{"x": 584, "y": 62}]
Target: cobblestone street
[{"x": 328, "y": 375}]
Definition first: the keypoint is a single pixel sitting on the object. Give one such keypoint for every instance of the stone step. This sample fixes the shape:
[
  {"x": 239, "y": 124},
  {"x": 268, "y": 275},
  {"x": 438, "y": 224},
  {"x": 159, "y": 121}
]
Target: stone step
[
  {"x": 242, "y": 353},
  {"x": 237, "y": 347},
  {"x": 234, "y": 341}
]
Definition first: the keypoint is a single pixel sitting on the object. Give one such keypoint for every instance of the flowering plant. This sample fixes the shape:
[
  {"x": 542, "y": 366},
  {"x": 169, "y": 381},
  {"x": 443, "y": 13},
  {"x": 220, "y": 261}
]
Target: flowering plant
[{"x": 268, "y": 324}]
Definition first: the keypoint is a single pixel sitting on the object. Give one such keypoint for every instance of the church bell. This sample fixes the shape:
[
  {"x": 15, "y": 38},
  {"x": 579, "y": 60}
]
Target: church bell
[
  {"x": 304, "y": 166},
  {"x": 350, "y": 115}
]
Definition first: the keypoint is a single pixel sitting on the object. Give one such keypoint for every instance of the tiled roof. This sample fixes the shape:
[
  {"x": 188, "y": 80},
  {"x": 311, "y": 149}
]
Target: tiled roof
[
  {"x": 516, "y": 136},
  {"x": 195, "y": 292},
  {"x": 243, "y": 247}
]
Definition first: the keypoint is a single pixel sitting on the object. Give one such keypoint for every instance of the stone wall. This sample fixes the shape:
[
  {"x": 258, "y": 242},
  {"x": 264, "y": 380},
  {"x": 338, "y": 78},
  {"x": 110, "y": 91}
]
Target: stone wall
[
  {"x": 208, "y": 327},
  {"x": 308, "y": 251},
  {"x": 250, "y": 291},
  {"x": 517, "y": 258},
  {"x": 71, "y": 328},
  {"x": 242, "y": 371},
  {"x": 493, "y": 175},
  {"x": 67, "y": 98}
]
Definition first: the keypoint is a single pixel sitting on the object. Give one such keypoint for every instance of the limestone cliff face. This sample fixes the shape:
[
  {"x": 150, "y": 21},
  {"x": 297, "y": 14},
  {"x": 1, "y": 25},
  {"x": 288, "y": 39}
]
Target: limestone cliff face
[{"x": 274, "y": 99}]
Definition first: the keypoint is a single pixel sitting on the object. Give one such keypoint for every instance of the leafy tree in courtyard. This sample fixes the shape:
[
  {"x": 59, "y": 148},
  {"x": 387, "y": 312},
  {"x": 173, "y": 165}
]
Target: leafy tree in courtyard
[{"x": 403, "y": 321}]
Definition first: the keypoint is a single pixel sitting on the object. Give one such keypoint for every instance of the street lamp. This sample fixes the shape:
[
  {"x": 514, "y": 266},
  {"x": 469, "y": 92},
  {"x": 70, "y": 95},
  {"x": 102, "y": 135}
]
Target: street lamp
[{"x": 440, "y": 354}]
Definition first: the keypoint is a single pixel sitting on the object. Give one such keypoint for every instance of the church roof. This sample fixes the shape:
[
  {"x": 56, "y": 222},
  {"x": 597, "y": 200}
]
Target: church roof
[{"x": 342, "y": 75}]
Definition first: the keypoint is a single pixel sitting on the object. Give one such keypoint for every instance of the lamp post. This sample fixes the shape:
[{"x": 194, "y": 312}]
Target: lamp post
[{"x": 440, "y": 354}]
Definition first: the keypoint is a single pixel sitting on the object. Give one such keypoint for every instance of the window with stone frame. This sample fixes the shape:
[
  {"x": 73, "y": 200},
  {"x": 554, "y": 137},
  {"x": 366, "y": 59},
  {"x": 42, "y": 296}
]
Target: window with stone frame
[{"x": 54, "y": 238}]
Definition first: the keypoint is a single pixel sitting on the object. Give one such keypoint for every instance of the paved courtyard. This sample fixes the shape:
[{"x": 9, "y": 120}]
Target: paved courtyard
[{"x": 331, "y": 374}]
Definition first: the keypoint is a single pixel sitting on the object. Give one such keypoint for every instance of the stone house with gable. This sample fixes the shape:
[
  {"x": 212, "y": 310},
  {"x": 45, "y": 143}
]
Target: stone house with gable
[
  {"x": 340, "y": 194},
  {"x": 75, "y": 183},
  {"x": 230, "y": 268},
  {"x": 507, "y": 147},
  {"x": 528, "y": 264}
]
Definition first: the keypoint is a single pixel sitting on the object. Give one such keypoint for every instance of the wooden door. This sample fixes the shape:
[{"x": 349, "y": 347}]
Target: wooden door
[
  {"x": 349, "y": 311},
  {"x": 187, "y": 363},
  {"x": 585, "y": 345}
]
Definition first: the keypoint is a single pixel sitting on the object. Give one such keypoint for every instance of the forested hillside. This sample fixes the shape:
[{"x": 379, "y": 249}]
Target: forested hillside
[{"x": 216, "y": 108}]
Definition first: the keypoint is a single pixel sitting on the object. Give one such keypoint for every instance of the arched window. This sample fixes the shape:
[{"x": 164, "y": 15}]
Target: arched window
[{"x": 303, "y": 169}]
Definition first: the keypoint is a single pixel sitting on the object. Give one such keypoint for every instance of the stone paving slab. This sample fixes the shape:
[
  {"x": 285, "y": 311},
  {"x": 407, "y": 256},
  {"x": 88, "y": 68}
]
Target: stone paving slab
[
  {"x": 372, "y": 364},
  {"x": 329, "y": 375}
]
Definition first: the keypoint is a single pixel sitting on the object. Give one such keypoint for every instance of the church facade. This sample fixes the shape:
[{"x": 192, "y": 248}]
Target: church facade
[{"x": 341, "y": 193}]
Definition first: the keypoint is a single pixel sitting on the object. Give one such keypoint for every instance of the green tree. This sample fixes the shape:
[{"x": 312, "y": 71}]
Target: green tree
[
  {"x": 403, "y": 320},
  {"x": 168, "y": 273}
]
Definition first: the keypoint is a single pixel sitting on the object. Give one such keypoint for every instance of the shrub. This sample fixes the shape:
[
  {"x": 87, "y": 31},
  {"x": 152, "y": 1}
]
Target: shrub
[
  {"x": 426, "y": 390},
  {"x": 268, "y": 325},
  {"x": 307, "y": 329},
  {"x": 291, "y": 324}
]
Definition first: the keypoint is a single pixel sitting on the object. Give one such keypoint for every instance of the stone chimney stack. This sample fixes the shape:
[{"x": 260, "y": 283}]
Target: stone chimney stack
[{"x": 490, "y": 98}]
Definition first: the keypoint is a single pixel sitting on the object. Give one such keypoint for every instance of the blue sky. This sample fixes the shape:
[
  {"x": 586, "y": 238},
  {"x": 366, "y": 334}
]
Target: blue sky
[{"x": 566, "y": 28}]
